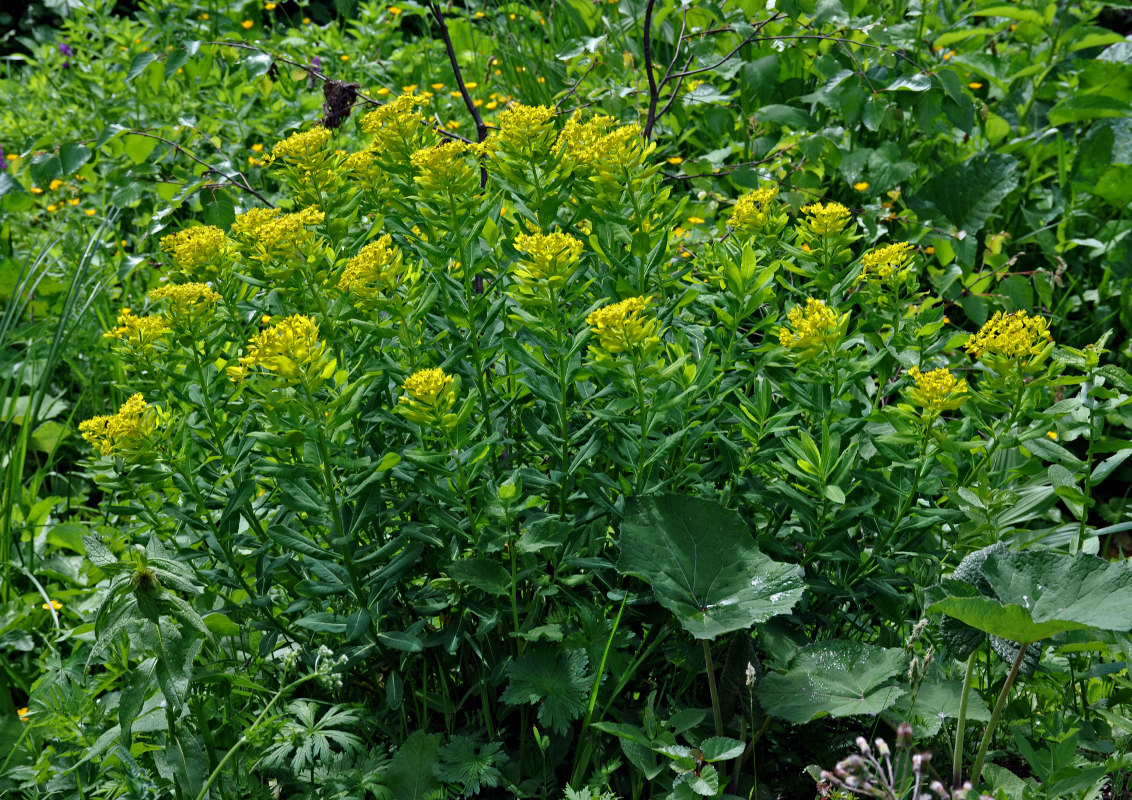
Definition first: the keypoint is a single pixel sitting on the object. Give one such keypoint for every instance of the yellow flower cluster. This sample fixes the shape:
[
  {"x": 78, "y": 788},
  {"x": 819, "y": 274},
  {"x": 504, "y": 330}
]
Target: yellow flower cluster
[
  {"x": 579, "y": 138},
  {"x": 125, "y": 432},
  {"x": 185, "y": 296},
  {"x": 824, "y": 219},
  {"x": 524, "y": 129},
  {"x": 197, "y": 251},
  {"x": 621, "y": 328},
  {"x": 378, "y": 268},
  {"x": 429, "y": 396},
  {"x": 445, "y": 168},
  {"x": 138, "y": 332},
  {"x": 812, "y": 329},
  {"x": 291, "y": 349},
  {"x": 280, "y": 233},
  {"x": 552, "y": 258},
  {"x": 878, "y": 266},
  {"x": 396, "y": 128},
  {"x": 937, "y": 390},
  {"x": 753, "y": 210},
  {"x": 303, "y": 147},
  {"x": 1015, "y": 335},
  {"x": 247, "y": 225},
  {"x": 363, "y": 164}
]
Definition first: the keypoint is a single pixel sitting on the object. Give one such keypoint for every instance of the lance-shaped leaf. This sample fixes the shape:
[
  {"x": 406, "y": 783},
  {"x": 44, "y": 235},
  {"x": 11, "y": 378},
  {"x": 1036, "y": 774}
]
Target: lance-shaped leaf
[
  {"x": 836, "y": 678},
  {"x": 1040, "y": 593},
  {"x": 703, "y": 565}
]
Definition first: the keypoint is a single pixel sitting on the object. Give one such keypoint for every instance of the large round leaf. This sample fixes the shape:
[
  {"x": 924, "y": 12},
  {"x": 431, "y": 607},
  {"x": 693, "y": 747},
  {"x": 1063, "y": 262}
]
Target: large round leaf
[
  {"x": 704, "y": 566},
  {"x": 838, "y": 678}
]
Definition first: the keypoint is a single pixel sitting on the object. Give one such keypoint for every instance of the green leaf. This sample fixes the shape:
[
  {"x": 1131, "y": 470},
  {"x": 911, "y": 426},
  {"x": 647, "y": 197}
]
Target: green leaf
[
  {"x": 1082, "y": 107},
  {"x": 1015, "y": 12},
  {"x": 992, "y": 616},
  {"x": 72, "y": 156},
  {"x": 721, "y": 748},
  {"x": 221, "y": 624},
  {"x": 554, "y": 680},
  {"x": 461, "y": 764},
  {"x": 97, "y": 552},
  {"x": 788, "y": 116},
  {"x": 968, "y": 193},
  {"x": 703, "y": 565},
  {"x": 45, "y": 167},
  {"x": 399, "y": 640},
  {"x": 935, "y": 703},
  {"x": 138, "y": 147},
  {"x": 836, "y": 678},
  {"x": 485, "y": 574},
  {"x": 140, "y": 62},
  {"x": 414, "y": 772}
]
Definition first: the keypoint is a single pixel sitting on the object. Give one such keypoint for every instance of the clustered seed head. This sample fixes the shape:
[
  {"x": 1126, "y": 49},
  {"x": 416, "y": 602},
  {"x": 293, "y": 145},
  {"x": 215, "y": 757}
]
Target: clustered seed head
[
  {"x": 753, "y": 210},
  {"x": 1014, "y": 336},
  {"x": 290, "y": 349},
  {"x": 937, "y": 390},
  {"x": 825, "y": 219},
  {"x": 810, "y": 330},
  {"x": 124, "y": 432},
  {"x": 880, "y": 265},
  {"x": 621, "y": 328}
]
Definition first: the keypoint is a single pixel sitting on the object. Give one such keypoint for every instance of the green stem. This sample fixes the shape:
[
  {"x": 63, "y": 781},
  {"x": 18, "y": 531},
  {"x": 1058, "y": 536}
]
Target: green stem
[
  {"x": 977, "y": 770},
  {"x": 957, "y": 753},
  {"x": 582, "y": 758},
  {"x": 712, "y": 688}
]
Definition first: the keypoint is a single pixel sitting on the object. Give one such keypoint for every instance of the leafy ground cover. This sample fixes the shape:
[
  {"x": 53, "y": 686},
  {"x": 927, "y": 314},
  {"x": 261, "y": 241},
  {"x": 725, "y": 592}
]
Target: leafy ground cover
[{"x": 579, "y": 400}]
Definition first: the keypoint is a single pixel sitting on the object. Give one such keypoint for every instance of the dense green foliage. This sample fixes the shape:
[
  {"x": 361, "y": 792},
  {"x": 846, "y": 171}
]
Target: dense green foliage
[{"x": 581, "y": 400}]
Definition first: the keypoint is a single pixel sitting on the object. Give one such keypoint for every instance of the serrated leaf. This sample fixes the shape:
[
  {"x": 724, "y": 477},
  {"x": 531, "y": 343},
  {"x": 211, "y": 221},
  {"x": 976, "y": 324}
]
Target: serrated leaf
[
  {"x": 967, "y": 194},
  {"x": 721, "y": 748},
  {"x": 703, "y": 565},
  {"x": 414, "y": 772},
  {"x": 936, "y": 703},
  {"x": 485, "y": 574},
  {"x": 836, "y": 678},
  {"x": 97, "y": 552},
  {"x": 554, "y": 680}
]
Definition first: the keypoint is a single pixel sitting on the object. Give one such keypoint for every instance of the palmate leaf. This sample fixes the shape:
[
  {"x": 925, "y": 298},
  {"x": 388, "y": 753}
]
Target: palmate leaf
[
  {"x": 555, "y": 680},
  {"x": 461, "y": 764},
  {"x": 703, "y": 565},
  {"x": 836, "y": 678}
]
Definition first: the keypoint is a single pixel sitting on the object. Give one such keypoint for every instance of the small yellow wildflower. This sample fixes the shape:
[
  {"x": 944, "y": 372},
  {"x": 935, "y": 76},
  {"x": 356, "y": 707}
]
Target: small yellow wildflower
[
  {"x": 247, "y": 24},
  {"x": 974, "y": 85},
  {"x": 23, "y": 714},
  {"x": 613, "y": 154},
  {"x": 51, "y": 604},
  {"x": 826, "y": 218},
  {"x": 878, "y": 266},
  {"x": 470, "y": 85},
  {"x": 196, "y": 251},
  {"x": 621, "y": 328},
  {"x": 429, "y": 396},
  {"x": 1013, "y": 336},
  {"x": 937, "y": 390},
  {"x": 1052, "y": 435},
  {"x": 394, "y": 11},
  {"x": 290, "y": 349},
  {"x": 445, "y": 168},
  {"x": 53, "y": 207},
  {"x": 280, "y": 235},
  {"x": 269, "y": 6},
  {"x": 861, "y": 186},
  {"x": 436, "y": 87},
  {"x": 696, "y": 220},
  {"x": 54, "y": 185},
  {"x": 246, "y": 225},
  {"x": 674, "y": 160},
  {"x": 305, "y": 149},
  {"x": 73, "y": 201},
  {"x": 90, "y": 212},
  {"x": 306, "y": 20},
  {"x": 138, "y": 332},
  {"x": 753, "y": 210},
  {"x": 36, "y": 190},
  {"x": 343, "y": 57},
  {"x": 811, "y": 330},
  {"x": 125, "y": 432},
  {"x": 524, "y": 131}
]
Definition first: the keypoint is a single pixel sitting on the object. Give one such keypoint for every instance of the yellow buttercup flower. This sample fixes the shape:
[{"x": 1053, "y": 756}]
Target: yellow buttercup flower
[
  {"x": 861, "y": 186},
  {"x": 878, "y": 266},
  {"x": 197, "y": 252},
  {"x": 51, "y": 604},
  {"x": 429, "y": 395},
  {"x": 621, "y": 328},
  {"x": 290, "y": 349},
  {"x": 138, "y": 332},
  {"x": 937, "y": 390},
  {"x": 1012, "y": 336},
  {"x": 127, "y": 431},
  {"x": 24, "y": 714},
  {"x": 811, "y": 330}
]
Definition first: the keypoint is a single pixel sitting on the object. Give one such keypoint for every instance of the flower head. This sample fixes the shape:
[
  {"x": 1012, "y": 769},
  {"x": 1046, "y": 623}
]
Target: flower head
[
  {"x": 126, "y": 432},
  {"x": 1012, "y": 336},
  {"x": 290, "y": 349},
  {"x": 140, "y": 333},
  {"x": 937, "y": 390},
  {"x": 305, "y": 149},
  {"x": 525, "y": 129},
  {"x": 880, "y": 265},
  {"x": 377, "y": 270},
  {"x": 622, "y": 328},
  {"x": 552, "y": 258},
  {"x": 397, "y": 129},
  {"x": 429, "y": 395},
  {"x": 24, "y": 714},
  {"x": 609, "y": 155},
  {"x": 823, "y": 219},
  {"x": 198, "y": 251},
  {"x": 51, "y": 604},
  {"x": 811, "y": 330},
  {"x": 187, "y": 301},
  {"x": 273, "y": 236},
  {"x": 754, "y": 210},
  {"x": 445, "y": 168}
]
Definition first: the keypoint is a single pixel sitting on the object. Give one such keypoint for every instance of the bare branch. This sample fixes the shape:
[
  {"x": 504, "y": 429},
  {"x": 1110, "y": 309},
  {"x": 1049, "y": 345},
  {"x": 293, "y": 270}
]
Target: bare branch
[
  {"x": 577, "y": 83},
  {"x": 654, "y": 91},
  {"x": 438, "y": 15}
]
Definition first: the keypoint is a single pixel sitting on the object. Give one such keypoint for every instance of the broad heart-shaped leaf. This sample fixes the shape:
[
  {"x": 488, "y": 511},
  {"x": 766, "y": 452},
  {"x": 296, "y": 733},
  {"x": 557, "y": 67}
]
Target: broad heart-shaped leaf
[
  {"x": 703, "y": 565},
  {"x": 934, "y": 703},
  {"x": 836, "y": 678},
  {"x": 967, "y": 194},
  {"x": 1039, "y": 593}
]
